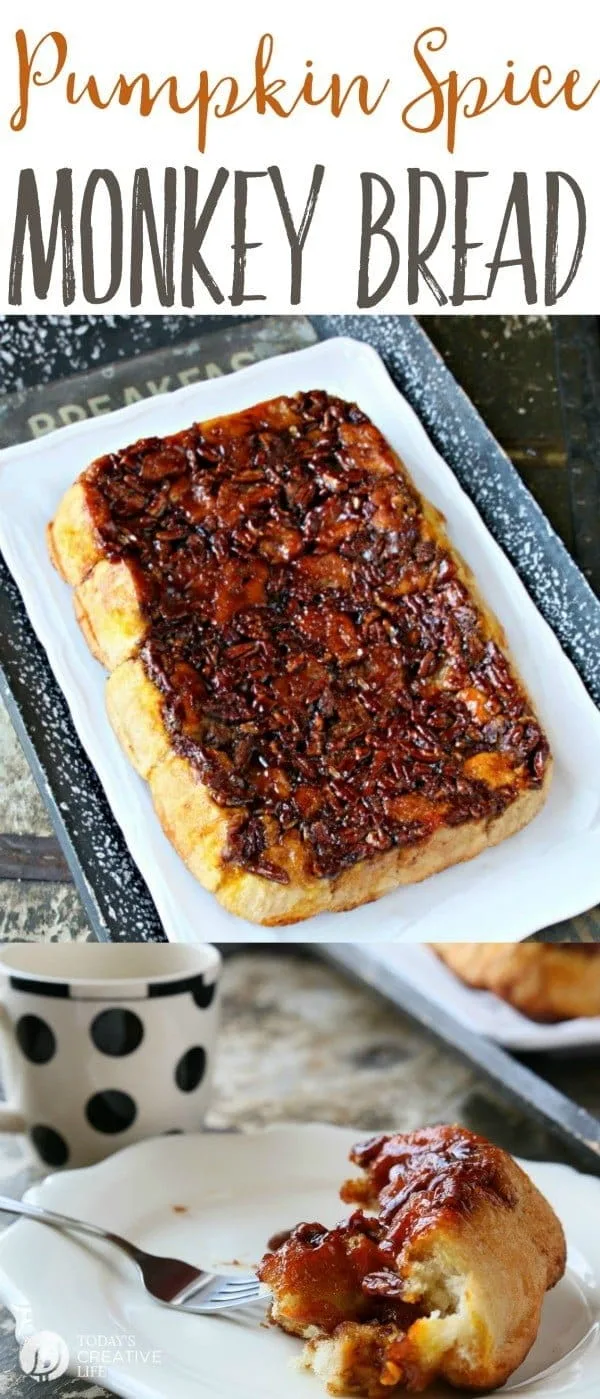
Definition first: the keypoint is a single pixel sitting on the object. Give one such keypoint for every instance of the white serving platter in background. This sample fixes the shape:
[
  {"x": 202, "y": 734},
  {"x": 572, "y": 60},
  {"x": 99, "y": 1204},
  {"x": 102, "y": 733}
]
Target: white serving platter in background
[
  {"x": 481, "y": 1011},
  {"x": 232, "y": 1193},
  {"x": 548, "y": 872}
]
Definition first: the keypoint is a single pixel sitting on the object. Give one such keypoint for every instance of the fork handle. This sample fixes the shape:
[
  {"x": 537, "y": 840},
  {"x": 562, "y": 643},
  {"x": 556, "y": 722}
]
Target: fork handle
[{"x": 64, "y": 1221}]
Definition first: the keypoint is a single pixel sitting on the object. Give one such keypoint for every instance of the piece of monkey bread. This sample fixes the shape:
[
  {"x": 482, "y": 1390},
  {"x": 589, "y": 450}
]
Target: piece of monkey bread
[{"x": 439, "y": 1273}]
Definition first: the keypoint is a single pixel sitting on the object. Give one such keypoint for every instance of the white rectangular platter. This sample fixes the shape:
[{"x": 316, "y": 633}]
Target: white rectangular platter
[{"x": 548, "y": 872}]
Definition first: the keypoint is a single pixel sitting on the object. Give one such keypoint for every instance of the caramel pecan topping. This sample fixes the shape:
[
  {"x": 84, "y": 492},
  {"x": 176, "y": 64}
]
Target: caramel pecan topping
[{"x": 323, "y": 666}]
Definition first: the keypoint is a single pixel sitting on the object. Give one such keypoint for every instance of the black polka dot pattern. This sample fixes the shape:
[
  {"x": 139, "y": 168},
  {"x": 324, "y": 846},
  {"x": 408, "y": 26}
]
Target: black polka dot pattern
[
  {"x": 191, "y": 1069},
  {"x": 117, "y": 1031},
  {"x": 50, "y": 1145},
  {"x": 202, "y": 994},
  {"x": 111, "y": 1111},
  {"x": 35, "y": 1039}
]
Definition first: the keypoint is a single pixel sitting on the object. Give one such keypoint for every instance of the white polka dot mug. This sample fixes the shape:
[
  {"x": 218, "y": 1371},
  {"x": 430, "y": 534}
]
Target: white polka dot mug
[{"x": 105, "y": 1045}]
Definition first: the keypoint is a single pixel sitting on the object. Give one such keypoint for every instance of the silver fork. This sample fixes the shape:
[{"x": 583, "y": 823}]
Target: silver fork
[{"x": 168, "y": 1280}]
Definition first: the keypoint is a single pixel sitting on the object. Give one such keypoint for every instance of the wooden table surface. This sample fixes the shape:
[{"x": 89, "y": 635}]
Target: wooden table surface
[{"x": 535, "y": 381}]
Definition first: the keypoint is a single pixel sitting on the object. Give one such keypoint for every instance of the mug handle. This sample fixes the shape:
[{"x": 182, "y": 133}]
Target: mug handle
[{"x": 11, "y": 1120}]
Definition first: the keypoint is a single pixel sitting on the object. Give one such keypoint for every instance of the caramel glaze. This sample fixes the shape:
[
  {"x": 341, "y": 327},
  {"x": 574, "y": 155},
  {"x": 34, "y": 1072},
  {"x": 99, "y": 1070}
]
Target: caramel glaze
[
  {"x": 322, "y": 665},
  {"x": 421, "y": 1178},
  {"x": 415, "y": 1181},
  {"x": 327, "y": 1276}
]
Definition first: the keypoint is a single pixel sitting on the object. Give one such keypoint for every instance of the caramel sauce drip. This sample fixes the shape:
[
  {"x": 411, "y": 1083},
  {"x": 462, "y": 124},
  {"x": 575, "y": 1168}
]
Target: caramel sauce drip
[{"x": 336, "y": 1275}]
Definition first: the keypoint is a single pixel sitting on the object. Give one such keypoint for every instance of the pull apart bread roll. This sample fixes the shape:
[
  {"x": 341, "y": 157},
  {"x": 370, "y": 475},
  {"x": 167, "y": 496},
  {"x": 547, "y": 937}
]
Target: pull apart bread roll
[
  {"x": 546, "y": 981},
  {"x": 302, "y": 667},
  {"x": 443, "y": 1281}
]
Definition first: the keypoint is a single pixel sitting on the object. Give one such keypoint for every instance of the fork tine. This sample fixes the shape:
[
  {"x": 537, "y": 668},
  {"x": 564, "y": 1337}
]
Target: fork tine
[
  {"x": 227, "y": 1305},
  {"x": 240, "y": 1289},
  {"x": 235, "y": 1293}
]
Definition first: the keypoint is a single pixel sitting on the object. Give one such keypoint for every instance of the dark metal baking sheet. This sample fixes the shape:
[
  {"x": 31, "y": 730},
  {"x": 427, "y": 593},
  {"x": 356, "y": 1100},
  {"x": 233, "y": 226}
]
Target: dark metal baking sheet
[{"x": 116, "y": 899}]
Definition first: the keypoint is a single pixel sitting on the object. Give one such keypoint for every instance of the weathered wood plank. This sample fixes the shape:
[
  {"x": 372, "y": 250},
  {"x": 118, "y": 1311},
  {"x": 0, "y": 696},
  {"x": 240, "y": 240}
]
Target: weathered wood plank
[
  {"x": 39, "y": 912},
  {"x": 29, "y": 857},
  {"x": 22, "y": 811}
]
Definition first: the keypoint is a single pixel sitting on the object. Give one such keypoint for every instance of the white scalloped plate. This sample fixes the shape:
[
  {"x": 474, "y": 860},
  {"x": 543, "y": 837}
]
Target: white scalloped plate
[
  {"x": 232, "y": 1193},
  {"x": 554, "y": 864}
]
